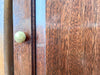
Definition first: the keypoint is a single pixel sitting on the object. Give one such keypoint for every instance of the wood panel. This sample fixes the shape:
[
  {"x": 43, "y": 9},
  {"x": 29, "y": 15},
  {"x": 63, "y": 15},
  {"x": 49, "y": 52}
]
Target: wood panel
[
  {"x": 72, "y": 37},
  {"x": 22, "y": 51},
  {"x": 8, "y": 38},
  {"x": 58, "y": 17},
  {"x": 76, "y": 51},
  {"x": 6, "y": 42},
  {"x": 89, "y": 36},
  {"x": 97, "y": 39},
  {"x": 40, "y": 38}
]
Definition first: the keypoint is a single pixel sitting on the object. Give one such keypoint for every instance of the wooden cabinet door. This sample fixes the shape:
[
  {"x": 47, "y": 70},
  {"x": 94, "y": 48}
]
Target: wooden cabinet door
[
  {"x": 68, "y": 37},
  {"x": 24, "y": 52},
  {"x": 62, "y": 37}
]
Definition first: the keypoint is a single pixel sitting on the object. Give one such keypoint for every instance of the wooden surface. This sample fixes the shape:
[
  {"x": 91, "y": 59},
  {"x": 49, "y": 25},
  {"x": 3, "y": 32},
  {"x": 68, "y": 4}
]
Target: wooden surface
[
  {"x": 8, "y": 38},
  {"x": 6, "y": 42},
  {"x": 68, "y": 44},
  {"x": 40, "y": 38},
  {"x": 22, "y": 51},
  {"x": 72, "y": 38}
]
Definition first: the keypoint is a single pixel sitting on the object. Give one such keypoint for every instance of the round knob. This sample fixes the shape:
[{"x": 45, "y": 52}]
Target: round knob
[{"x": 19, "y": 37}]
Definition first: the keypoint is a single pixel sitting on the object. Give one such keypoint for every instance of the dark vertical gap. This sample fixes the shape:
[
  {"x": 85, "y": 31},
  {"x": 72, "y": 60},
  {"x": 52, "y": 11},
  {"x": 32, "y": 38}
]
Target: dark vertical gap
[
  {"x": 33, "y": 35},
  {"x": 12, "y": 38}
]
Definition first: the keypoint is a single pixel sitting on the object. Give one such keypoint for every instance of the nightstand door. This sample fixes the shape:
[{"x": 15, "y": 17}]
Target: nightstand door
[{"x": 68, "y": 35}]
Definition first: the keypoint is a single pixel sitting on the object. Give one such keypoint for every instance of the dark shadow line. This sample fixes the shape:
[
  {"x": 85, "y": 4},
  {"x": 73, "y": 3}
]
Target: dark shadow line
[{"x": 33, "y": 36}]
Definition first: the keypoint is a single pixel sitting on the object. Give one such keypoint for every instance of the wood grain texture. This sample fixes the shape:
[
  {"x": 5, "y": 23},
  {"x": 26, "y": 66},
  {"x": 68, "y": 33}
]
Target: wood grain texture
[
  {"x": 57, "y": 23},
  {"x": 97, "y": 39},
  {"x": 72, "y": 37},
  {"x": 89, "y": 36},
  {"x": 41, "y": 51},
  {"x": 76, "y": 52},
  {"x": 22, "y": 51}
]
